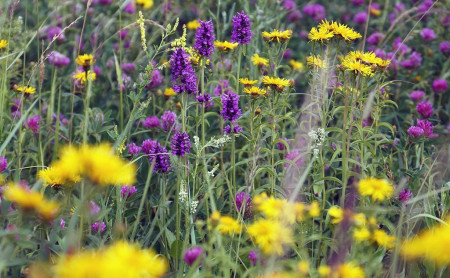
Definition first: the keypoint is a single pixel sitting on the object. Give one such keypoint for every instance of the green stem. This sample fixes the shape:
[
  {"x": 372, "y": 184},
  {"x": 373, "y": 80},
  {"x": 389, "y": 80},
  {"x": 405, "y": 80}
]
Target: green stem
[{"x": 143, "y": 200}]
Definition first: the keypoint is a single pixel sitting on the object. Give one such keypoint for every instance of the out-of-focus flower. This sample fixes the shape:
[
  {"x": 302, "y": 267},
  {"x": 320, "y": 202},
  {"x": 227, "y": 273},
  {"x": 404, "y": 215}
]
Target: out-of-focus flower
[
  {"x": 316, "y": 11},
  {"x": 277, "y": 36},
  {"x": 375, "y": 9},
  {"x": 336, "y": 214},
  {"x": 169, "y": 119},
  {"x": 242, "y": 26},
  {"x": 350, "y": 270},
  {"x": 425, "y": 109},
  {"x": 235, "y": 130},
  {"x": 427, "y": 34},
  {"x": 27, "y": 90},
  {"x": 417, "y": 95},
  {"x": 294, "y": 16},
  {"x": 30, "y": 200},
  {"x": 3, "y": 44},
  {"x": 444, "y": 47},
  {"x": 378, "y": 189},
  {"x": 425, "y": 6},
  {"x": 315, "y": 62},
  {"x": 295, "y": 156},
  {"x": 58, "y": 60},
  {"x": 193, "y": 25},
  {"x": 361, "y": 234},
  {"x": 56, "y": 33},
  {"x": 383, "y": 239},
  {"x": 243, "y": 203},
  {"x": 80, "y": 76},
  {"x": 98, "y": 227},
  {"x": 3, "y": 163},
  {"x": 204, "y": 38},
  {"x": 129, "y": 8},
  {"x": 180, "y": 144},
  {"x": 225, "y": 46},
  {"x": 270, "y": 235},
  {"x": 360, "y": 18},
  {"x": 289, "y": 5},
  {"x": 405, "y": 195},
  {"x": 151, "y": 122},
  {"x": 192, "y": 254},
  {"x": 253, "y": 256},
  {"x": 440, "y": 85},
  {"x": 375, "y": 38},
  {"x": 128, "y": 68},
  {"x": 146, "y": 4},
  {"x": 230, "y": 107}
]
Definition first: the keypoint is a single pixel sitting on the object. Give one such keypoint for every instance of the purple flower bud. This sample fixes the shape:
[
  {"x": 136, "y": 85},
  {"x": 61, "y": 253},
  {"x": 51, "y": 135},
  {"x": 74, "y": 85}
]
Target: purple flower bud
[
  {"x": 281, "y": 146},
  {"x": 440, "y": 85},
  {"x": 230, "y": 107},
  {"x": 425, "y": 109},
  {"x": 287, "y": 54},
  {"x": 375, "y": 38},
  {"x": 127, "y": 191},
  {"x": 192, "y": 254},
  {"x": 221, "y": 87},
  {"x": 183, "y": 75},
  {"x": 236, "y": 129},
  {"x": 97, "y": 227},
  {"x": 94, "y": 208},
  {"x": 416, "y": 95},
  {"x": 58, "y": 60},
  {"x": 130, "y": 8},
  {"x": 253, "y": 256},
  {"x": 33, "y": 123},
  {"x": 62, "y": 223}
]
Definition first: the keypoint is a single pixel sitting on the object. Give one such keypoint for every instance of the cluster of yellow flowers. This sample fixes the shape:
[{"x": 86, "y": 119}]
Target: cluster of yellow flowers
[
  {"x": 364, "y": 63},
  {"x": 225, "y": 46},
  {"x": 328, "y": 30},
  {"x": 272, "y": 233},
  {"x": 225, "y": 224},
  {"x": 303, "y": 269},
  {"x": 31, "y": 200},
  {"x": 28, "y": 90},
  {"x": 378, "y": 189},
  {"x": 98, "y": 163},
  {"x": 121, "y": 259}
]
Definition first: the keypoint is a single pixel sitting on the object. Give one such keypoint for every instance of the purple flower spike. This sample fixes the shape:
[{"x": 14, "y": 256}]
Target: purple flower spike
[
  {"x": 192, "y": 254},
  {"x": 204, "y": 38},
  {"x": 127, "y": 191},
  {"x": 157, "y": 155},
  {"x": 253, "y": 256},
  {"x": 181, "y": 144},
  {"x": 244, "y": 204},
  {"x": 183, "y": 75},
  {"x": 230, "y": 109},
  {"x": 97, "y": 227},
  {"x": 242, "y": 26}
]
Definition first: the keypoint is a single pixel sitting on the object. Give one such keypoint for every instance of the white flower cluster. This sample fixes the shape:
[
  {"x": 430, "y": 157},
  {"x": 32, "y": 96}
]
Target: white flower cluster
[
  {"x": 183, "y": 195},
  {"x": 318, "y": 138},
  {"x": 193, "y": 208},
  {"x": 197, "y": 142},
  {"x": 220, "y": 142}
]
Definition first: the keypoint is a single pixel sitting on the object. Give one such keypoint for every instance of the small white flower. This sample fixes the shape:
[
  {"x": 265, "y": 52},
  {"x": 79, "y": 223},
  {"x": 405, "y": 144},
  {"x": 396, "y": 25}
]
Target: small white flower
[
  {"x": 193, "y": 206},
  {"x": 211, "y": 173}
]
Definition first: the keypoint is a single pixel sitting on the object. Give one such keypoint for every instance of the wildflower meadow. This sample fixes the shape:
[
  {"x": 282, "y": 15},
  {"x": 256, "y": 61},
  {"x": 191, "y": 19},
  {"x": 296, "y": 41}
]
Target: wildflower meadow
[{"x": 225, "y": 138}]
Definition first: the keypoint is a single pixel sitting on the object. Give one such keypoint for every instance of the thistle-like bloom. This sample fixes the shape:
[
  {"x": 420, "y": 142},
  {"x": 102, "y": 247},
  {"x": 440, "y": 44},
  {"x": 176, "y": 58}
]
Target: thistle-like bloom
[
  {"x": 378, "y": 189},
  {"x": 242, "y": 26},
  {"x": 157, "y": 155},
  {"x": 183, "y": 75},
  {"x": 277, "y": 36},
  {"x": 225, "y": 46},
  {"x": 33, "y": 123},
  {"x": 31, "y": 200},
  {"x": 243, "y": 204},
  {"x": 405, "y": 195},
  {"x": 3, "y": 163},
  {"x": 415, "y": 131},
  {"x": 425, "y": 109},
  {"x": 192, "y": 254},
  {"x": 230, "y": 107},
  {"x": 440, "y": 85},
  {"x": 427, "y": 34},
  {"x": 181, "y": 144},
  {"x": 259, "y": 61},
  {"x": 133, "y": 149},
  {"x": 204, "y": 38}
]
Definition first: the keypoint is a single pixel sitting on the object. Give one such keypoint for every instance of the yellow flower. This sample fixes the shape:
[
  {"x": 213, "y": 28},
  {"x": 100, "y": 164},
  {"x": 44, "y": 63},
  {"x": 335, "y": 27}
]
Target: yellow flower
[
  {"x": 324, "y": 271},
  {"x": 296, "y": 65},
  {"x": 277, "y": 36},
  {"x": 3, "y": 44},
  {"x": 225, "y": 46},
  {"x": 113, "y": 261},
  {"x": 315, "y": 61},
  {"x": 431, "y": 245},
  {"x": 104, "y": 167},
  {"x": 378, "y": 189},
  {"x": 361, "y": 234},
  {"x": 26, "y": 90},
  {"x": 85, "y": 60},
  {"x": 314, "y": 209},
  {"x": 259, "y": 61},
  {"x": 336, "y": 214},
  {"x": 228, "y": 226},
  {"x": 277, "y": 83},
  {"x": 345, "y": 32},
  {"x": 81, "y": 76},
  {"x": 193, "y": 25},
  {"x": 146, "y": 4},
  {"x": 55, "y": 176},
  {"x": 303, "y": 267},
  {"x": 254, "y": 91},
  {"x": 357, "y": 67},
  {"x": 168, "y": 92},
  {"x": 31, "y": 200},
  {"x": 383, "y": 239},
  {"x": 350, "y": 270},
  {"x": 247, "y": 82},
  {"x": 359, "y": 219},
  {"x": 320, "y": 35},
  {"x": 270, "y": 236}
]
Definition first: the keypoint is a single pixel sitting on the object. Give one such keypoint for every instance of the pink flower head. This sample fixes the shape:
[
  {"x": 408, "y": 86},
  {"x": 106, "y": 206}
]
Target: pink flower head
[
  {"x": 440, "y": 85},
  {"x": 415, "y": 131},
  {"x": 427, "y": 34},
  {"x": 98, "y": 227},
  {"x": 425, "y": 109},
  {"x": 33, "y": 123},
  {"x": 192, "y": 254},
  {"x": 405, "y": 195},
  {"x": 416, "y": 95},
  {"x": 127, "y": 191}
]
